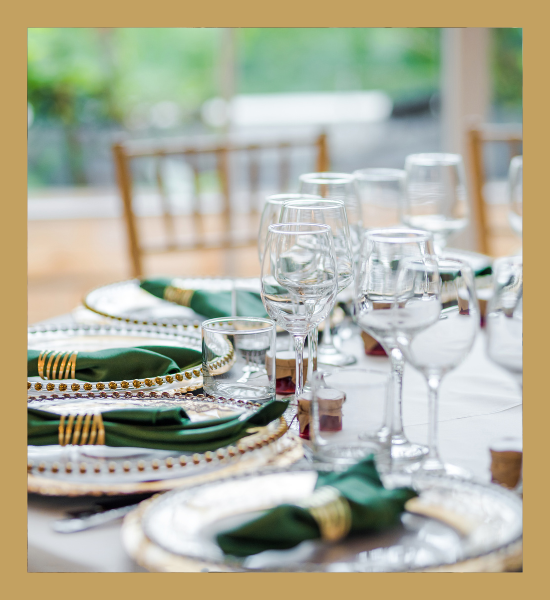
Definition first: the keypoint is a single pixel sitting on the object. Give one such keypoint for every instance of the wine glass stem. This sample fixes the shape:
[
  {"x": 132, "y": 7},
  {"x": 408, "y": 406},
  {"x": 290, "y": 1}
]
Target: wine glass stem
[
  {"x": 395, "y": 418},
  {"x": 299, "y": 349},
  {"x": 433, "y": 410},
  {"x": 312, "y": 338},
  {"x": 327, "y": 342}
]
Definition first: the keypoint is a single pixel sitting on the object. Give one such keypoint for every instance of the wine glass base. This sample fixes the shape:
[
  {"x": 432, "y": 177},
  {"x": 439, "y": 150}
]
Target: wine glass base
[
  {"x": 402, "y": 451},
  {"x": 335, "y": 358},
  {"x": 426, "y": 469}
]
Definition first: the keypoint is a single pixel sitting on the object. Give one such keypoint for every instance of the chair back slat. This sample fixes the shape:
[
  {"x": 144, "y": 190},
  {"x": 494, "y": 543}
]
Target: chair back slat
[
  {"x": 169, "y": 225},
  {"x": 254, "y": 177}
]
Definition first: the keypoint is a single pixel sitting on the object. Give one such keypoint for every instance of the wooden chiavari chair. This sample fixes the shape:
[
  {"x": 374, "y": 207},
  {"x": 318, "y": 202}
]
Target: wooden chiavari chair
[
  {"x": 478, "y": 137},
  {"x": 127, "y": 152}
]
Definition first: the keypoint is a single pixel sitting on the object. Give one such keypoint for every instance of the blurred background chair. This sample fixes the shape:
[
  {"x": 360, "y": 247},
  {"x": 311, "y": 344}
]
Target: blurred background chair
[
  {"x": 229, "y": 171},
  {"x": 490, "y": 202}
]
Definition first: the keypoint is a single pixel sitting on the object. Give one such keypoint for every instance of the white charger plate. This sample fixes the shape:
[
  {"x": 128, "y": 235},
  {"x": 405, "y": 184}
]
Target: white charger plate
[{"x": 176, "y": 532}]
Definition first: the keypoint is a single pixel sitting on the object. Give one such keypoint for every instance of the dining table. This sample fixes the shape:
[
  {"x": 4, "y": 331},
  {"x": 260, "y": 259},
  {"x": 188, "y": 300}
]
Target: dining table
[{"x": 479, "y": 403}]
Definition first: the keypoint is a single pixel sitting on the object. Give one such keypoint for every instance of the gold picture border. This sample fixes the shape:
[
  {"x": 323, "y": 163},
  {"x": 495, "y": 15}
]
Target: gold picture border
[{"x": 17, "y": 17}]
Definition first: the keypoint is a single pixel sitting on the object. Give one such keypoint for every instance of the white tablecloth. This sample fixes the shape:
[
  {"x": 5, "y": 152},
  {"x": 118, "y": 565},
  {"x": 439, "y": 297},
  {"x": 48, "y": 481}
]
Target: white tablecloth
[{"x": 479, "y": 402}]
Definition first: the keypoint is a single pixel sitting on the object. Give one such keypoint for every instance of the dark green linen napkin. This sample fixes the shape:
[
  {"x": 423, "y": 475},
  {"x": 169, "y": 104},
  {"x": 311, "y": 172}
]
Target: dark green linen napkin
[
  {"x": 209, "y": 304},
  {"x": 125, "y": 363},
  {"x": 373, "y": 508},
  {"x": 159, "y": 428}
]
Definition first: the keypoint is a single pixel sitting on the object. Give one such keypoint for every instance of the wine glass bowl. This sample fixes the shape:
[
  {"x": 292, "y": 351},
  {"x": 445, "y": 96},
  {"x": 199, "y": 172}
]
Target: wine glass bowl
[
  {"x": 271, "y": 214},
  {"x": 381, "y": 192},
  {"x": 504, "y": 320},
  {"x": 515, "y": 183},
  {"x": 435, "y": 195}
]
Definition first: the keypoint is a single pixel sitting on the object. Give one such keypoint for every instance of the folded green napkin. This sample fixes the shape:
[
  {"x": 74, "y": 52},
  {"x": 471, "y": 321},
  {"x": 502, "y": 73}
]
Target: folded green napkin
[
  {"x": 373, "y": 508},
  {"x": 209, "y": 304},
  {"x": 123, "y": 363},
  {"x": 159, "y": 428}
]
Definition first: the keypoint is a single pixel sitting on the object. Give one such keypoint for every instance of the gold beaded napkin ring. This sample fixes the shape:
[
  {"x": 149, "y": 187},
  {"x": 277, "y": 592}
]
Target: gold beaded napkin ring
[
  {"x": 331, "y": 512},
  {"x": 67, "y": 366}
]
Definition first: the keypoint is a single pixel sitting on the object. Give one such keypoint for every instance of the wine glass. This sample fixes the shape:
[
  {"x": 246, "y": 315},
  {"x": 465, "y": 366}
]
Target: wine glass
[
  {"x": 271, "y": 215},
  {"x": 504, "y": 319},
  {"x": 375, "y": 279},
  {"x": 332, "y": 213},
  {"x": 436, "y": 319},
  {"x": 299, "y": 281},
  {"x": 515, "y": 182},
  {"x": 381, "y": 192},
  {"x": 435, "y": 195},
  {"x": 336, "y": 186}
]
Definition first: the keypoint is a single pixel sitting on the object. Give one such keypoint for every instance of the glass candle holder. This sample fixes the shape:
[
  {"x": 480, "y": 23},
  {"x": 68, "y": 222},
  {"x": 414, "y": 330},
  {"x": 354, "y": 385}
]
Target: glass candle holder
[{"x": 238, "y": 358}]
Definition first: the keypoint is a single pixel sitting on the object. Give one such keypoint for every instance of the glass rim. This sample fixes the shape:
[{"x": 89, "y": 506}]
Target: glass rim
[
  {"x": 317, "y": 202},
  {"x": 210, "y": 325},
  {"x": 434, "y": 158},
  {"x": 326, "y": 178},
  {"x": 395, "y": 234},
  {"x": 313, "y": 228},
  {"x": 282, "y": 198},
  {"x": 395, "y": 174}
]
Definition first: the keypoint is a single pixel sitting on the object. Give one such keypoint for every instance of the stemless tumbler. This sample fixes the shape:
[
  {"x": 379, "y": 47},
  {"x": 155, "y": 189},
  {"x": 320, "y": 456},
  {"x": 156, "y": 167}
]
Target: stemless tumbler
[{"x": 238, "y": 358}]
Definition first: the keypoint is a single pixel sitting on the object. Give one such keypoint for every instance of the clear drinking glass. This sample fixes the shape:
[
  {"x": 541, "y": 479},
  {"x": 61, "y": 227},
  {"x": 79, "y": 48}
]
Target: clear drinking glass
[
  {"x": 381, "y": 192},
  {"x": 271, "y": 214},
  {"x": 375, "y": 280},
  {"x": 345, "y": 414},
  {"x": 504, "y": 318},
  {"x": 238, "y": 358},
  {"x": 336, "y": 186},
  {"x": 436, "y": 319},
  {"x": 333, "y": 214},
  {"x": 436, "y": 199},
  {"x": 515, "y": 181},
  {"x": 299, "y": 281}
]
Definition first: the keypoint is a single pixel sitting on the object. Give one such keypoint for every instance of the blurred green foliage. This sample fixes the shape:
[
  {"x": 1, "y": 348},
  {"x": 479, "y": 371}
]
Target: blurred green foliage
[{"x": 99, "y": 79}]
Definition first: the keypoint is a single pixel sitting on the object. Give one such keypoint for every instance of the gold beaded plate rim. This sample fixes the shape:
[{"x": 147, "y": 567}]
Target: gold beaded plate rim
[
  {"x": 92, "y": 300},
  {"x": 185, "y": 380},
  {"x": 42, "y": 475},
  {"x": 153, "y": 555}
]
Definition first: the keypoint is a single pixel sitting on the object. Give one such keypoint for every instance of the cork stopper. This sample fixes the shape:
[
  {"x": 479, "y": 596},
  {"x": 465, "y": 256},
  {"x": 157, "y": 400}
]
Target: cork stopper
[{"x": 506, "y": 462}]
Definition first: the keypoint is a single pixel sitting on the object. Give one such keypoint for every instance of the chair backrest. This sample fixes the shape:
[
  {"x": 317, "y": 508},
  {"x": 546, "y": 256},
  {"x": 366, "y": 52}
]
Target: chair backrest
[
  {"x": 478, "y": 136},
  {"x": 194, "y": 156}
]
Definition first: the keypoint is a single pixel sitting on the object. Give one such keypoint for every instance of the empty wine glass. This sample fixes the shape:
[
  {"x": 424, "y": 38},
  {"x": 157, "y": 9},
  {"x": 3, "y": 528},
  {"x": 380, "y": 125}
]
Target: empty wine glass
[
  {"x": 336, "y": 186},
  {"x": 271, "y": 215},
  {"x": 504, "y": 319},
  {"x": 381, "y": 192},
  {"x": 332, "y": 213},
  {"x": 435, "y": 195},
  {"x": 299, "y": 281},
  {"x": 375, "y": 280},
  {"x": 436, "y": 319},
  {"x": 515, "y": 182}
]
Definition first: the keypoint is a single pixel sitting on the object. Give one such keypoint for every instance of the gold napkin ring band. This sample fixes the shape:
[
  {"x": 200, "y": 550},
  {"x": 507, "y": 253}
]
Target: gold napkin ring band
[
  {"x": 331, "y": 512},
  {"x": 81, "y": 426},
  {"x": 48, "y": 357},
  {"x": 41, "y": 360},
  {"x": 178, "y": 295}
]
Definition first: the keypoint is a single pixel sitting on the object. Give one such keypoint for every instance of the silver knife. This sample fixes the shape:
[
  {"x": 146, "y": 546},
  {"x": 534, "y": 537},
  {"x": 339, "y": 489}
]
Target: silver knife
[{"x": 82, "y": 523}]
